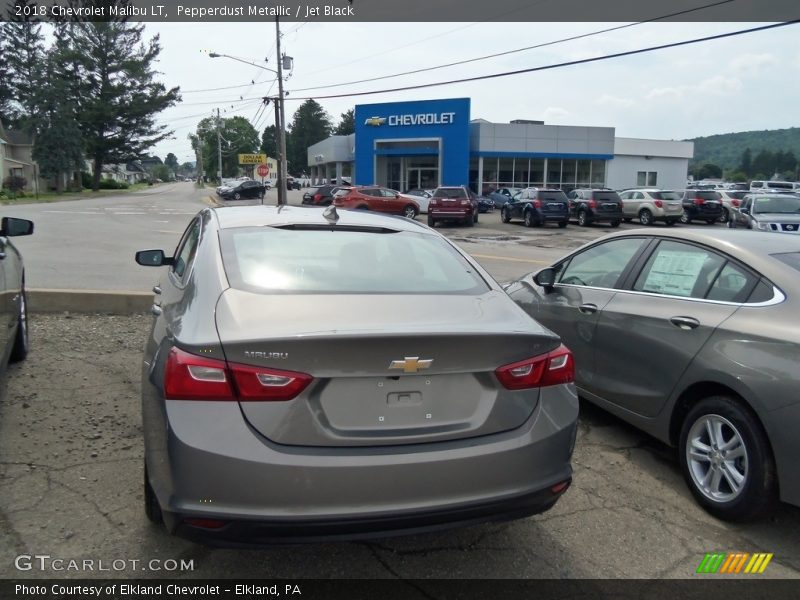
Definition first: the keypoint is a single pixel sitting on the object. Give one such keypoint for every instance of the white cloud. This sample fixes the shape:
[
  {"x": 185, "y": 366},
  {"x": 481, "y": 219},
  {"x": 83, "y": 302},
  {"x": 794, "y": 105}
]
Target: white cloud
[
  {"x": 615, "y": 101},
  {"x": 554, "y": 113},
  {"x": 666, "y": 93},
  {"x": 721, "y": 85},
  {"x": 752, "y": 65}
]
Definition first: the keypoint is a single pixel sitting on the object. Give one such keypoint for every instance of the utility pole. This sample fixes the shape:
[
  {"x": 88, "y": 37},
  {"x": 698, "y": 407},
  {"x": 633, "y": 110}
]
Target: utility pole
[
  {"x": 282, "y": 175},
  {"x": 219, "y": 148},
  {"x": 201, "y": 180}
]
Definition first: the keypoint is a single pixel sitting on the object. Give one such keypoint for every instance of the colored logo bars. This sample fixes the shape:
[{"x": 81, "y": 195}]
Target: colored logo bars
[{"x": 737, "y": 562}]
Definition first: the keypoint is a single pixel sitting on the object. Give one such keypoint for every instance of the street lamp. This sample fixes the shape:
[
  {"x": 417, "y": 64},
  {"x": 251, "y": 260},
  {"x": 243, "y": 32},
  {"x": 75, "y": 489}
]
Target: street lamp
[{"x": 283, "y": 63}]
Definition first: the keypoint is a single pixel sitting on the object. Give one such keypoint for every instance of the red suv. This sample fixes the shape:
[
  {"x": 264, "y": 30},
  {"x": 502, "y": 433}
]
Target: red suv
[
  {"x": 376, "y": 198},
  {"x": 453, "y": 203}
]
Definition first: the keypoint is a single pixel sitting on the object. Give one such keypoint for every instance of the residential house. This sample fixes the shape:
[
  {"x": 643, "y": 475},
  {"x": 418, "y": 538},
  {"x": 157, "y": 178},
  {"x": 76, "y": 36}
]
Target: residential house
[{"x": 16, "y": 149}]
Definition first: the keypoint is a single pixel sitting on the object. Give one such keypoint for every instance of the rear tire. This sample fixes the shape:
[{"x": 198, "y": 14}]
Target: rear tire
[
  {"x": 409, "y": 211},
  {"x": 686, "y": 218},
  {"x": 727, "y": 461},
  {"x": 711, "y": 221},
  {"x": 475, "y": 219},
  {"x": 671, "y": 222},
  {"x": 19, "y": 350},
  {"x": 237, "y": 196},
  {"x": 505, "y": 216},
  {"x": 151, "y": 507},
  {"x": 583, "y": 219},
  {"x": 431, "y": 221},
  {"x": 469, "y": 221},
  {"x": 528, "y": 219},
  {"x": 615, "y": 223},
  {"x": 723, "y": 218},
  {"x": 645, "y": 217},
  {"x": 562, "y": 224}
]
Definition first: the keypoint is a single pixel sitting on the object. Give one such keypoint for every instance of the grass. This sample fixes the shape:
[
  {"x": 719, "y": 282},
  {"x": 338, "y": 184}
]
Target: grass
[{"x": 30, "y": 198}]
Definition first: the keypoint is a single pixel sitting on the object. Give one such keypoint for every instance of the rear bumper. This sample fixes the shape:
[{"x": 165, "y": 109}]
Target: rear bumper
[
  {"x": 461, "y": 213},
  {"x": 270, "y": 493}
]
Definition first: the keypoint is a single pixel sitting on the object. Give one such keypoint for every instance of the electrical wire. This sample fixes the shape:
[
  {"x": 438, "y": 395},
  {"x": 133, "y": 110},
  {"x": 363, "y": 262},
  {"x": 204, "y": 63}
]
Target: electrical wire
[{"x": 555, "y": 65}]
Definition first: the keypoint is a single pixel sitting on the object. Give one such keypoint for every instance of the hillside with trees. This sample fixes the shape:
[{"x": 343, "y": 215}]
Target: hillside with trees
[{"x": 769, "y": 152}]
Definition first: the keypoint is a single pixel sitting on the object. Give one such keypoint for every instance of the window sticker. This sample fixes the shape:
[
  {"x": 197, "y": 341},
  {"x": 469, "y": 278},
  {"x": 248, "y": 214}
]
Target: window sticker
[{"x": 674, "y": 272}]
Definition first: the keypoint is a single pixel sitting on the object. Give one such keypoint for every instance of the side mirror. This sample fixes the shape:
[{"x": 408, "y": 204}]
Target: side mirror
[
  {"x": 11, "y": 226},
  {"x": 545, "y": 278},
  {"x": 153, "y": 258}
]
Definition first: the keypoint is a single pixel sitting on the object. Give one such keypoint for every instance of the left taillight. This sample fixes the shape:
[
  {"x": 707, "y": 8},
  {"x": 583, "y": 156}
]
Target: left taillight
[
  {"x": 553, "y": 368},
  {"x": 191, "y": 377}
]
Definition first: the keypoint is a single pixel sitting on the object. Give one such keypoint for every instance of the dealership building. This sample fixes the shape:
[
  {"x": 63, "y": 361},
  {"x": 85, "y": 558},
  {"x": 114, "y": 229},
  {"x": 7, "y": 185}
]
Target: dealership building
[{"x": 403, "y": 145}]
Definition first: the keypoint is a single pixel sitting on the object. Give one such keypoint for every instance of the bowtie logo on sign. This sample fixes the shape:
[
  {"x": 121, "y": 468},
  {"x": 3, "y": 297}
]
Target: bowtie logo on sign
[{"x": 375, "y": 121}]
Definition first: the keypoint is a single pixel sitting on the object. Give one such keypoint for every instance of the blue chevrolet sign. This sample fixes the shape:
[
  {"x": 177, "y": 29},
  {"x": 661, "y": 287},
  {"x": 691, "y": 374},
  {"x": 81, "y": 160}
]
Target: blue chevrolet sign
[{"x": 418, "y": 128}]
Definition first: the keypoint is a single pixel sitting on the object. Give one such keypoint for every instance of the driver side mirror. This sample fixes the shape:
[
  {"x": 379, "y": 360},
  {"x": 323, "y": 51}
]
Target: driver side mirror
[
  {"x": 153, "y": 258},
  {"x": 11, "y": 226},
  {"x": 545, "y": 278}
]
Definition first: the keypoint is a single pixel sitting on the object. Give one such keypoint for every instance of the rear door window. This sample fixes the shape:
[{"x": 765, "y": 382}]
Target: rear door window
[{"x": 678, "y": 269}]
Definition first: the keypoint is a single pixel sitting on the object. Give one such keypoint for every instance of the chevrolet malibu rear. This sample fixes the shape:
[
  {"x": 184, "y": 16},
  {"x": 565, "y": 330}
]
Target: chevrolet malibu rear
[{"x": 319, "y": 376}]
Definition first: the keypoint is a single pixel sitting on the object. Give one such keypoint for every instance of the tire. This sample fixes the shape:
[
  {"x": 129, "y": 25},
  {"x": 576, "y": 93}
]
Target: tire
[
  {"x": 645, "y": 217},
  {"x": 627, "y": 219},
  {"x": 469, "y": 221},
  {"x": 475, "y": 219},
  {"x": 562, "y": 224},
  {"x": 686, "y": 219},
  {"x": 237, "y": 196},
  {"x": 723, "y": 218},
  {"x": 615, "y": 223},
  {"x": 431, "y": 221},
  {"x": 711, "y": 221},
  {"x": 753, "y": 471},
  {"x": 528, "y": 219},
  {"x": 19, "y": 351},
  {"x": 151, "y": 508},
  {"x": 409, "y": 211},
  {"x": 671, "y": 222},
  {"x": 505, "y": 217},
  {"x": 583, "y": 219},
  {"x": 362, "y": 207}
]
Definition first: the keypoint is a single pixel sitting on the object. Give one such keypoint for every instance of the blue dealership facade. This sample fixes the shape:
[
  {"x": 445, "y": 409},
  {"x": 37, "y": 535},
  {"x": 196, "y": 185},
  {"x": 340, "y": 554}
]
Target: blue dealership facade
[{"x": 423, "y": 144}]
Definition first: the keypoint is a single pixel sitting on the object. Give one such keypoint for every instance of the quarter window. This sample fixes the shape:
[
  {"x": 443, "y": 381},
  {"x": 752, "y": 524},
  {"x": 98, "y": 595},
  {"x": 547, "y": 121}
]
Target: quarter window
[
  {"x": 187, "y": 248},
  {"x": 601, "y": 265}
]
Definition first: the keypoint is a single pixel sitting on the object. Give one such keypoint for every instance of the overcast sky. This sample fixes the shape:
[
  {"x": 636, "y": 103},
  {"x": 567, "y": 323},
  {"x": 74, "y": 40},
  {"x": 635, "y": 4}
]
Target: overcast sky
[{"x": 747, "y": 82}]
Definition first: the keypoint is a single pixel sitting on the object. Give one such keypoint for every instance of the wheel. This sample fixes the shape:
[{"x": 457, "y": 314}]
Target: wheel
[
  {"x": 475, "y": 216},
  {"x": 563, "y": 224},
  {"x": 237, "y": 196},
  {"x": 431, "y": 222},
  {"x": 711, "y": 221},
  {"x": 505, "y": 215},
  {"x": 151, "y": 507},
  {"x": 410, "y": 211},
  {"x": 685, "y": 217},
  {"x": 469, "y": 221},
  {"x": 723, "y": 218},
  {"x": 528, "y": 219},
  {"x": 627, "y": 219},
  {"x": 726, "y": 460},
  {"x": 645, "y": 217},
  {"x": 671, "y": 222},
  {"x": 583, "y": 219},
  {"x": 615, "y": 223},
  {"x": 20, "y": 349},
  {"x": 362, "y": 207}
]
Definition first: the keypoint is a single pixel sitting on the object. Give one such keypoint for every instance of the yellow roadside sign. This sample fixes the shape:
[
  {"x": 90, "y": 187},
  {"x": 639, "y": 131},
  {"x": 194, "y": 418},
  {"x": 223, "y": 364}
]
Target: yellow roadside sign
[{"x": 252, "y": 159}]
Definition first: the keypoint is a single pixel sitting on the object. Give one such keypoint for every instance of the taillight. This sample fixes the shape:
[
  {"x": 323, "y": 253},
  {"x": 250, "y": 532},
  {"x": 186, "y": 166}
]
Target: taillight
[
  {"x": 317, "y": 197},
  {"x": 191, "y": 377},
  {"x": 592, "y": 204},
  {"x": 735, "y": 202},
  {"x": 464, "y": 202},
  {"x": 433, "y": 202},
  {"x": 259, "y": 383},
  {"x": 698, "y": 201},
  {"x": 537, "y": 203},
  {"x": 553, "y": 368},
  {"x": 658, "y": 203}
]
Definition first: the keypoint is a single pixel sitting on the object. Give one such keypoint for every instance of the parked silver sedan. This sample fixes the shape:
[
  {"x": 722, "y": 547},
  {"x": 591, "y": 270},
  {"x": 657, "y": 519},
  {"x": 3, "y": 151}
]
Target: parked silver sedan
[
  {"x": 694, "y": 338},
  {"x": 313, "y": 374},
  {"x": 14, "y": 307}
]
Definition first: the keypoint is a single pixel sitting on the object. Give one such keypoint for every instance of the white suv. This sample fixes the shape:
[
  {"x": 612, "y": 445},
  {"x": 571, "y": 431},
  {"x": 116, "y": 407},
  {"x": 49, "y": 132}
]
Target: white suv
[{"x": 650, "y": 205}]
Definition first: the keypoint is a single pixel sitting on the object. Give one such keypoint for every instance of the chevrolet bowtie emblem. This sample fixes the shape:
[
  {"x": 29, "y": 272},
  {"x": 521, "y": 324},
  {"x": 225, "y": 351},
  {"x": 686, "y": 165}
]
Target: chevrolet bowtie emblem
[
  {"x": 375, "y": 121},
  {"x": 411, "y": 364}
]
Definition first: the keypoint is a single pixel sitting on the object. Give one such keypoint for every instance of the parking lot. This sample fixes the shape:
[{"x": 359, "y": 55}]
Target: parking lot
[{"x": 71, "y": 474}]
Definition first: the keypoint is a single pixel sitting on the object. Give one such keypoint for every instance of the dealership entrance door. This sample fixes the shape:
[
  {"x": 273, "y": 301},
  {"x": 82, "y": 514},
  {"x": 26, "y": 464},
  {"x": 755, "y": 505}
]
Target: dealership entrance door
[{"x": 404, "y": 165}]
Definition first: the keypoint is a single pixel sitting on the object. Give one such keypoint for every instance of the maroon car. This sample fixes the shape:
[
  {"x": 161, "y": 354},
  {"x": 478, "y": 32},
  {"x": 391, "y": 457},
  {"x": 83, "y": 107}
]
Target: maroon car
[
  {"x": 377, "y": 199},
  {"x": 456, "y": 203}
]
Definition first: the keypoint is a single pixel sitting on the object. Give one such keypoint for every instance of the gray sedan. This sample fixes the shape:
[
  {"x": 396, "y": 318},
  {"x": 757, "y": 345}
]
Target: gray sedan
[
  {"x": 318, "y": 374},
  {"x": 694, "y": 338},
  {"x": 14, "y": 307}
]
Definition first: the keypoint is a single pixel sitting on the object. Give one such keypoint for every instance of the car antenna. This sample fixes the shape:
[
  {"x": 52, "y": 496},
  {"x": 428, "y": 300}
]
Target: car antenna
[{"x": 331, "y": 215}]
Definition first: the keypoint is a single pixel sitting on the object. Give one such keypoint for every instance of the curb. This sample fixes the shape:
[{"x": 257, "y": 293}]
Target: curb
[{"x": 89, "y": 301}]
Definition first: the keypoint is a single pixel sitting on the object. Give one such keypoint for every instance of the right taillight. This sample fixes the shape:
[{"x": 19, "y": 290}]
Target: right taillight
[
  {"x": 658, "y": 203},
  {"x": 191, "y": 377},
  {"x": 735, "y": 202},
  {"x": 698, "y": 201},
  {"x": 317, "y": 197},
  {"x": 553, "y": 368},
  {"x": 592, "y": 204}
]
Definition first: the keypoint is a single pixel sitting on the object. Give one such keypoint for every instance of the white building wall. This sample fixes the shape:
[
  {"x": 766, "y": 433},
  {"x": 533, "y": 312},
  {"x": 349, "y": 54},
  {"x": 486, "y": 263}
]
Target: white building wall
[{"x": 671, "y": 172}]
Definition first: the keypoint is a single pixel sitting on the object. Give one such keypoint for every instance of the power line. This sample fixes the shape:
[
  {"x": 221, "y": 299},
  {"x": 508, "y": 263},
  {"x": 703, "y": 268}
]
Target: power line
[
  {"x": 516, "y": 50},
  {"x": 554, "y": 66}
]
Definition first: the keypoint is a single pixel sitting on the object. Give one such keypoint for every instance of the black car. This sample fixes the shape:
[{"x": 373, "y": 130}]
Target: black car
[
  {"x": 485, "y": 204},
  {"x": 703, "y": 205},
  {"x": 246, "y": 189},
  {"x": 498, "y": 198},
  {"x": 292, "y": 184},
  {"x": 589, "y": 206},
  {"x": 536, "y": 207},
  {"x": 322, "y": 196}
]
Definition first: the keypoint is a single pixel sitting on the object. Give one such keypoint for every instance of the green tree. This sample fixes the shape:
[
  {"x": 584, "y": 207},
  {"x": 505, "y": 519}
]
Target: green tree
[
  {"x": 746, "y": 163},
  {"x": 269, "y": 141},
  {"x": 237, "y": 136},
  {"x": 161, "y": 172},
  {"x": 120, "y": 96},
  {"x": 172, "y": 162},
  {"x": 22, "y": 49},
  {"x": 708, "y": 171},
  {"x": 764, "y": 164},
  {"x": 347, "y": 124},
  {"x": 310, "y": 124}
]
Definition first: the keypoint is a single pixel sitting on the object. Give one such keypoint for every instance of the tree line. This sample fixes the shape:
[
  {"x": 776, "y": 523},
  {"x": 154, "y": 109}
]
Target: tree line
[
  {"x": 766, "y": 164},
  {"x": 91, "y": 93}
]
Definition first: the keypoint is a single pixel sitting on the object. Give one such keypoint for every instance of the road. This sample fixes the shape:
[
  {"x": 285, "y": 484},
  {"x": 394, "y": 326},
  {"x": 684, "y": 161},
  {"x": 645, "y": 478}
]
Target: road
[{"x": 90, "y": 244}]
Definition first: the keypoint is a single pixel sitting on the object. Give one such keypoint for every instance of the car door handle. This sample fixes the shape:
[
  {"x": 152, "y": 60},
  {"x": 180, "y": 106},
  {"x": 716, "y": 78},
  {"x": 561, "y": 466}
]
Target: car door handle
[
  {"x": 156, "y": 289},
  {"x": 156, "y": 310},
  {"x": 588, "y": 309},
  {"x": 685, "y": 322}
]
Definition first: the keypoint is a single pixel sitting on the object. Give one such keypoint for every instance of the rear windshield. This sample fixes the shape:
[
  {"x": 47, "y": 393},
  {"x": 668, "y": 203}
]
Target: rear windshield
[
  {"x": 780, "y": 185},
  {"x": 341, "y": 260},
  {"x": 790, "y": 258},
  {"x": 553, "y": 197},
  {"x": 666, "y": 195},
  {"x": 450, "y": 193},
  {"x": 606, "y": 196},
  {"x": 705, "y": 195}
]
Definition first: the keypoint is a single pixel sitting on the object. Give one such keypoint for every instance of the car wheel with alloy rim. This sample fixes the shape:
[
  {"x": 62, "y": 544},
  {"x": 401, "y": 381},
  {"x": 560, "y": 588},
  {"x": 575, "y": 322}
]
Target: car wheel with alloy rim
[
  {"x": 686, "y": 218},
  {"x": 645, "y": 217},
  {"x": 583, "y": 219},
  {"x": 505, "y": 215},
  {"x": 20, "y": 348},
  {"x": 409, "y": 211},
  {"x": 727, "y": 460}
]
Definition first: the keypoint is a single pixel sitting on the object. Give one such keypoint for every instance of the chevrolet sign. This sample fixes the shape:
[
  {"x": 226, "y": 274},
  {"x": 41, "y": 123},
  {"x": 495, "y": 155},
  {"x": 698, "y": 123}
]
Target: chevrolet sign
[
  {"x": 445, "y": 118},
  {"x": 375, "y": 121}
]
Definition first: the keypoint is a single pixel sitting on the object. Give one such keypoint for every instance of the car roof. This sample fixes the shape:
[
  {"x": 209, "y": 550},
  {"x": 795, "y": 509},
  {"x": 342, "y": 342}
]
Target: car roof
[{"x": 230, "y": 217}]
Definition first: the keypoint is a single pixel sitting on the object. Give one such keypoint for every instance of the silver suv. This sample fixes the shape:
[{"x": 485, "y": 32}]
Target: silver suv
[
  {"x": 650, "y": 205},
  {"x": 778, "y": 213}
]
